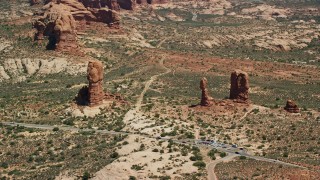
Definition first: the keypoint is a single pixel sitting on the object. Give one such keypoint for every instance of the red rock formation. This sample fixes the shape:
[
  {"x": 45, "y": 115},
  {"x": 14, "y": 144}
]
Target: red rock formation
[
  {"x": 292, "y": 107},
  {"x": 95, "y": 77},
  {"x": 88, "y": 10},
  {"x": 205, "y": 98},
  {"x": 239, "y": 89},
  {"x": 61, "y": 18},
  {"x": 60, "y": 26}
]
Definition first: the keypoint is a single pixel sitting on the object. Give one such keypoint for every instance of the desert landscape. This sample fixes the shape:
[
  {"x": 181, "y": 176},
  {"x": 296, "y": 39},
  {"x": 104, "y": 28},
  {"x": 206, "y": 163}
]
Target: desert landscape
[{"x": 184, "y": 89}]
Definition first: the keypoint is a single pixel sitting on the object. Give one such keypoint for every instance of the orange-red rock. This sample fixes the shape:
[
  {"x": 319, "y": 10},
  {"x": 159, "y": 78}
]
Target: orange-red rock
[
  {"x": 291, "y": 107},
  {"x": 205, "y": 98},
  {"x": 95, "y": 77},
  {"x": 60, "y": 26},
  {"x": 239, "y": 89},
  {"x": 61, "y": 18}
]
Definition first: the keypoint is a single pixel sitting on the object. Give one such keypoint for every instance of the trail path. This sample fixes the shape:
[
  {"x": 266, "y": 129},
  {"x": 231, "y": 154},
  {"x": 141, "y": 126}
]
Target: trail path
[{"x": 133, "y": 113}]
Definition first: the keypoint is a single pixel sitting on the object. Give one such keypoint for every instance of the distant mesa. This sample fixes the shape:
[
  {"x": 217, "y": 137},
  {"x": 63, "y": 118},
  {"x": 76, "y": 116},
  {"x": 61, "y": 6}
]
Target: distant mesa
[
  {"x": 205, "y": 98},
  {"x": 239, "y": 90},
  {"x": 292, "y": 107}
]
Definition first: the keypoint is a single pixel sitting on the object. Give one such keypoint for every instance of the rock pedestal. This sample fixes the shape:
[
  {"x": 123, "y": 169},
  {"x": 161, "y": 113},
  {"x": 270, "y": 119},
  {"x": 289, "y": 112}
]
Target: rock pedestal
[
  {"x": 95, "y": 77},
  {"x": 239, "y": 89},
  {"x": 292, "y": 107},
  {"x": 205, "y": 98}
]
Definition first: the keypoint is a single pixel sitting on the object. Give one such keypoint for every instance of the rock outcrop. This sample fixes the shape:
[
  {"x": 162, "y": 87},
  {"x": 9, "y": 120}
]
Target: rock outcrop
[
  {"x": 17, "y": 70},
  {"x": 292, "y": 107},
  {"x": 60, "y": 20},
  {"x": 59, "y": 26},
  {"x": 205, "y": 98},
  {"x": 95, "y": 77},
  {"x": 239, "y": 89}
]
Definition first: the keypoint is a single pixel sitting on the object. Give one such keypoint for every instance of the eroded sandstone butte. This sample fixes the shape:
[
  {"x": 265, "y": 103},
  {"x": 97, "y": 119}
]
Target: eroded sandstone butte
[
  {"x": 95, "y": 77},
  {"x": 59, "y": 20},
  {"x": 205, "y": 98},
  {"x": 291, "y": 107},
  {"x": 239, "y": 89},
  {"x": 59, "y": 26}
]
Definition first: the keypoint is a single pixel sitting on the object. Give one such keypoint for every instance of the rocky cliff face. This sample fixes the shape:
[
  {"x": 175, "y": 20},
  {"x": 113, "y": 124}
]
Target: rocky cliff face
[
  {"x": 239, "y": 89},
  {"x": 292, "y": 107}
]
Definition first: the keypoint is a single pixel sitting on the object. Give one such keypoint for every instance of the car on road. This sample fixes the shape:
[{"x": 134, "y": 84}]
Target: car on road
[
  {"x": 234, "y": 146},
  {"x": 237, "y": 152}
]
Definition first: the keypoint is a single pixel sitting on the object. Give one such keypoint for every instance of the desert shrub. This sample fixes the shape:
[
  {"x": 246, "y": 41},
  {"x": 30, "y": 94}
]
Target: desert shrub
[{"x": 200, "y": 164}]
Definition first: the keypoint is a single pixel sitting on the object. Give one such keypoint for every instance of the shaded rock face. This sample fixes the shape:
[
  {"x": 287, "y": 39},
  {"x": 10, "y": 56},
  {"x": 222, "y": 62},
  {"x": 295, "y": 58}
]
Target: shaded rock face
[
  {"x": 95, "y": 77},
  {"x": 205, "y": 98},
  {"x": 292, "y": 107},
  {"x": 239, "y": 89},
  {"x": 82, "y": 98},
  {"x": 127, "y": 4}
]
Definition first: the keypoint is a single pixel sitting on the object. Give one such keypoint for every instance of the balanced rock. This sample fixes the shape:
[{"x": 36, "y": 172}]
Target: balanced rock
[
  {"x": 291, "y": 107},
  {"x": 205, "y": 98},
  {"x": 239, "y": 89},
  {"x": 95, "y": 77}
]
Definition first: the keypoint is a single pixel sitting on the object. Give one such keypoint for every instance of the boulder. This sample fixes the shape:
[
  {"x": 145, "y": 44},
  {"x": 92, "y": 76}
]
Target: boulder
[
  {"x": 292, "y": 107},
  {"x": 239, "y": 89}
]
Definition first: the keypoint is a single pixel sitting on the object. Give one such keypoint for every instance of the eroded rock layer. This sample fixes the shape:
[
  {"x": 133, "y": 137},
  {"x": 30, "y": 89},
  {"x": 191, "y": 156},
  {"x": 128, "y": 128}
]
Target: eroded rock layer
[{"x": 239, "y": 89}]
